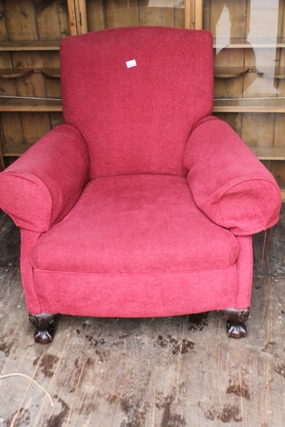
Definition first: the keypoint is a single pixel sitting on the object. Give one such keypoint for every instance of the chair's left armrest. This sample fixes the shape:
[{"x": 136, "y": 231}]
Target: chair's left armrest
[
  {"x": 228, "y": 182},
  {"x": 40, "y": 187}
]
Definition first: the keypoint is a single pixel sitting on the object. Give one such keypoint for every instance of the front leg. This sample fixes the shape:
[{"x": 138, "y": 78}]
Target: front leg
[
  {"x": 44, "y": 324},
  {"x": 236, "y": 322}
]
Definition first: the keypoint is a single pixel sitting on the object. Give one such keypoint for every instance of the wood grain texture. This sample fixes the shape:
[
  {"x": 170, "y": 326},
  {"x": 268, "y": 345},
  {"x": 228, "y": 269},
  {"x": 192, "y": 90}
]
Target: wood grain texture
[
  {"x": 30, "y": 34},
  {"x": 168, "y": 372},
  {"x": 250, "y": 36},
  {"x": 29, "y": 105}
]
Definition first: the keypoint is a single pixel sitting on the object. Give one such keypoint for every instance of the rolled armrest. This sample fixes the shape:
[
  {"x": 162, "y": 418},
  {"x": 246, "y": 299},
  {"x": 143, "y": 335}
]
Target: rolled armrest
[
  {"x": 40, "y": 187},
  {"x": 228, "y": 182}
]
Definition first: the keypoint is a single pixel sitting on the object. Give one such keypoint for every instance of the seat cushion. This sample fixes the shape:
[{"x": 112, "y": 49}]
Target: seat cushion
[{"x": 135, "y": 224}]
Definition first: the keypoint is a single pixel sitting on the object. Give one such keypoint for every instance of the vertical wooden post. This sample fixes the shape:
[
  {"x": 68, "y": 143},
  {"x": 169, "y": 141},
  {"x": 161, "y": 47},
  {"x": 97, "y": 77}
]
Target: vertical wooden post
[
  {"x": 77, "y": 16},
  {"x": 83, "y": 16},
  {"x": 194, "y": 14},
  {"x": 72, "y": 18},
  {"x": 198, "y": 14},
  {"x": 187, "y": 13},
  {"x": 2, "y": 165}
]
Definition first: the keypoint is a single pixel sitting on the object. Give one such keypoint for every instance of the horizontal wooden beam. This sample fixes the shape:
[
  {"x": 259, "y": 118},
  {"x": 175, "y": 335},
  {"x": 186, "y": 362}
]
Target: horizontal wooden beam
[
  {"x": 232, "y": 72},
  {"x": 257, "y": 42},
  {"x": 269, "y": 153},
  {"x": 19, "y": 104},
  {"x": 8, "y": 46},
  {"x": 12, "y": 73},
  {"x": 15, "y": 150},
  {"x": 248, "y": 105}
]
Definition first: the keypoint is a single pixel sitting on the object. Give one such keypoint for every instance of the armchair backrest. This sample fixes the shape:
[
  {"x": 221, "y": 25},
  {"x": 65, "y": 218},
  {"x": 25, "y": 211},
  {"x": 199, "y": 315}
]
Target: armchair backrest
[{"x": 135, "y": 94}]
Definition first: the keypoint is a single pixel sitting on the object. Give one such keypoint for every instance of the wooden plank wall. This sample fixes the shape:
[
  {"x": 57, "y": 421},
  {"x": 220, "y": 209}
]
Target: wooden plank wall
[
  {"x": 249, "y": 22},
  {"x": 111, "y": 13},
  {"x": 52, "y": 20},
  {"x": 31, "y": 20}
]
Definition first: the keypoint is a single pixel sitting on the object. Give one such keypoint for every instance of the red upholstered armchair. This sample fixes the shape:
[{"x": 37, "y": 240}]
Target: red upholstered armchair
[{"x": 142, "y": 204}]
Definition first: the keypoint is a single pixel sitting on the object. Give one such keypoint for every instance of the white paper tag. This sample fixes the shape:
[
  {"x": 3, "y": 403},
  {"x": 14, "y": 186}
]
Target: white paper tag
[{"x": 132, "y": 63}]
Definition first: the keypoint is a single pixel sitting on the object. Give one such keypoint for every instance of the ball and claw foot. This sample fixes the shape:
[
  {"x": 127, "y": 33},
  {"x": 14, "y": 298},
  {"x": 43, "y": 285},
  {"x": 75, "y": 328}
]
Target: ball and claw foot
[
  {"x": 235, "y": 322},
  {"x": 44, "y": 324}
]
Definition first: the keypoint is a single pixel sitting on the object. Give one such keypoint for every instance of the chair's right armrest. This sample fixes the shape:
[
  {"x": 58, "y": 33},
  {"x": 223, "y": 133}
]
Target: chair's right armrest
[
  {"x": 41, "y": 187},
  {"x": 229, "y": 184}
]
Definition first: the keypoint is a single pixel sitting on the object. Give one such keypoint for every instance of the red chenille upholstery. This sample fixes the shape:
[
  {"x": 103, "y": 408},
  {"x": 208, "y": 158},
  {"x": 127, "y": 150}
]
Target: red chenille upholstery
[{"x": 142, "y": 204}]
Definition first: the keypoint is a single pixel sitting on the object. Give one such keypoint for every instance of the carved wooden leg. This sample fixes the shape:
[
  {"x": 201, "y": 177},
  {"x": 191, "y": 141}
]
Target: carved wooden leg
[
  {"x": 235, "y": 322},
  {"x": 44, "y": 327}
]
